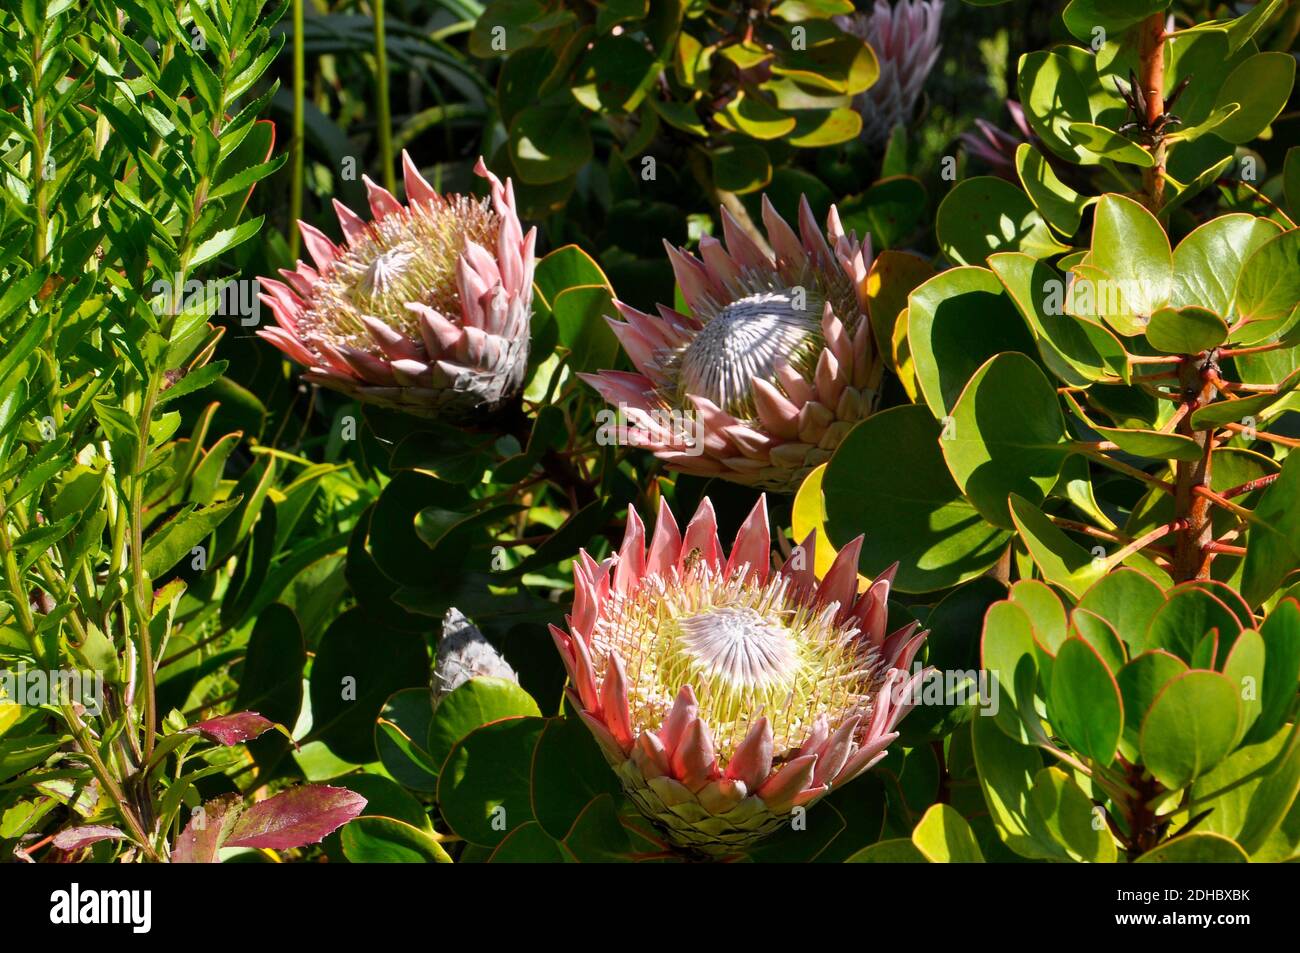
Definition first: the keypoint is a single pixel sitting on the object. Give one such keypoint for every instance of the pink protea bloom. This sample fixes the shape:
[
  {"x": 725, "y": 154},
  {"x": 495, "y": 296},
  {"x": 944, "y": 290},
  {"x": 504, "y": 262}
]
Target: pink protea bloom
[
  {"x": 724, "y": 694},
  {"x": 774, "y": 364},
  {"x": 905, "y": 38},
  {"x": 424, "y": 309}
]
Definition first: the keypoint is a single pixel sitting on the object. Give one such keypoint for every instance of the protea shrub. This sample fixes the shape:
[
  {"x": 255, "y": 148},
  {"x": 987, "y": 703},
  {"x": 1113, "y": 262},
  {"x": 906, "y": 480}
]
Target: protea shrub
[
  {"x": 775, "y": 362},
  {"x": 905, "y": 38},
  {"x": 425, "y": 308},
  {"x": 725, "y": 694}
]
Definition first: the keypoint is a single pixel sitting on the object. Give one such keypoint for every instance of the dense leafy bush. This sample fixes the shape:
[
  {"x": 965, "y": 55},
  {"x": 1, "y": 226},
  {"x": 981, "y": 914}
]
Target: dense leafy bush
[{"x": 375, "y": 485}]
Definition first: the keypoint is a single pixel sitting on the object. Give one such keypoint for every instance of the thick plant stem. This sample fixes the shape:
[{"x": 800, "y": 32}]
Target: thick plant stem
[
  {"x": 1151, "y": 56},
  {"x": 1192, "y": 554},
  {"x": 298, "y": 146},
  {"x": 385, "y": 117}
]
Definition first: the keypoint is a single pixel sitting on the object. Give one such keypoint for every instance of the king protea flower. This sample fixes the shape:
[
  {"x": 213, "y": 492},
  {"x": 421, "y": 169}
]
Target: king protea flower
[
  {"x": 425, "y": 308},
  {"x": 905, "y": 38},
  {"x": 774, "y": 364},
  {"x": 725, "y": 694}
]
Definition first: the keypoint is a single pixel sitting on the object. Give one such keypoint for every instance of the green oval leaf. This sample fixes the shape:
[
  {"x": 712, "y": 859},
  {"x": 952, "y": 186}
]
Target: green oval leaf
[
  {"x": 1190, "y": 727},
  {"x": 955, "y": 322},
  {"x": 1188, "y": 330},
  {"x": 1084, "y": 703},
  {"x": 912, "y": 512},
  {"x": 984, "y": 215},
  {"x": 383, "y": 840},
  {"x": 1006, "y": 435},
  {"x": 944, "y": 837},
  {"x": 477, "y": 702}
]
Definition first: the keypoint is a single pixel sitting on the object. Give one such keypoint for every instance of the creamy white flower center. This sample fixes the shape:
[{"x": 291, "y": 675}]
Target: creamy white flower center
[
  {"x": 740, "y": 646},
  {"x": 747, "y": 339},
  {"x": 379, "y": 277}
]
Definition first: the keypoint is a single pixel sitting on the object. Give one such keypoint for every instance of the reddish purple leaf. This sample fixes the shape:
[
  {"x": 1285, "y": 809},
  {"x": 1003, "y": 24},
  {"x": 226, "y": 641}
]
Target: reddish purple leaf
[
  {"x": 298, "y": 816},
  {"x": 233, "y": 729},
  {"x": 207, "y": 829},
  {"x": 74, "y": 838}
]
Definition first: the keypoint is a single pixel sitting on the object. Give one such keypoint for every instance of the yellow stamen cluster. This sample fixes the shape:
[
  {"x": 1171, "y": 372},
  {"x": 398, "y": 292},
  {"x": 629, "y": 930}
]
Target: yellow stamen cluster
[
  {"x": 747, "y": 650},
  {"x": 406, "y": 257}
]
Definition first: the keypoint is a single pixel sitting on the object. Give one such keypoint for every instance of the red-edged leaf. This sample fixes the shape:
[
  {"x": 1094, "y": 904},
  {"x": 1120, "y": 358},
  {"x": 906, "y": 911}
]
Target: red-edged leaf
[
  {"x": 233, "y": 729},
  {"x": 204, "y": 834},
  {"x": 74, "y": 838},
  {"x": 298, "y": 816}
]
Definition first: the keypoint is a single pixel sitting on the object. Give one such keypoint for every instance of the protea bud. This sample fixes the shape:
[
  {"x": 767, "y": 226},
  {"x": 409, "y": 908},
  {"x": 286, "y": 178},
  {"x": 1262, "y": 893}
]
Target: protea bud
[
  {"x": 424, "y": 309},
  {"x": 724, "y": 694},
  {"x": 997, "y": 148},
  {"x": 772, "y": 367},
  {"x": 464, "y": 653},
  {"x": 905, "y": 37}
]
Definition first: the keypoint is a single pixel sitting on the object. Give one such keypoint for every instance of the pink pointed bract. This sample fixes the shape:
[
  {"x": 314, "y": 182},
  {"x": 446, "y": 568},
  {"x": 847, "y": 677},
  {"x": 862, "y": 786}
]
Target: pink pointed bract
[
  {"x": 725, "y": 694},
  {"x": 905, "y": 38},
  {"x": 424, "y": 309},
  {"x": 772, "y": 366}
]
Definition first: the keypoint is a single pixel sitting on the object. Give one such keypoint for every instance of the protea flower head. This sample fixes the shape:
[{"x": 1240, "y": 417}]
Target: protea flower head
[
  {"x": 905, "y": 38},
  {"x": 425, "y": 308},
  {"x": 725, "y": 694},
  {"x": 774, "y": 364}
]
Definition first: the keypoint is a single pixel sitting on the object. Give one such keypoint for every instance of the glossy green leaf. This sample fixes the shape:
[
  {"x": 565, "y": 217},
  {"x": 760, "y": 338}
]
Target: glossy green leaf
[
  {"x": 383, "y": 840},
  {"x": 751, "y": 114},
  {"x": 614, "y": 75},
  {"x": 944, "y": 837},
  {"x": 549, "y": 143},
  {"x": 1268, "y": 290},
  {"x": 1082, "y": 17},
  {"x": 1105, "y": 143},
  {"x": 1006, "y": 435},
  {"x": 176, "y": 538},
  {"x": 1261, "y": 86},
  {"x": 358, "y": 666},
  {"x": 1244, "y": 409},
  {"x": 896, "y": 851},
  {"x": 956, "y": 321},
  {"x": 1274, "y": 535},
  {"x": 399, "y": 738},
  {"x": 984, "y": 215},
  {"x": 917, "y": 515},
  {"x": 1190, "y": 727},
  {"x": 1007, "y": 771},
  {"x": 1209, "y": 260},
  {"x": 1007, "y": 648},
  {"x": 1250, "y": 793},
  {"x": 1131, "y": 248},
  {"x": 1281, "y": 635},
  {"x": 1045, "y": 610},
  {"x": 1078, "y": 352},
  {"x": 1101, "y": 635},
  {"x": 1060, "y": 559},
  {"x": 1244, "y": 667},
  {"x": 1061, "y": 206},
  {"x": 1188, "y": 330},
  {"x": 1053, "y": 96},
  {"x": 477, "y": 702},
  {"x": 1126, "y": 599},
  {"x": 1072, "y": 819},
  {"x": 1140, "y": 681},
  {"x": 1185, "y": 618},
  {"x": 485, "y": 789},
  {"x": 1084, "y": 702},
  {"x": 1196, "y": 848}
]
